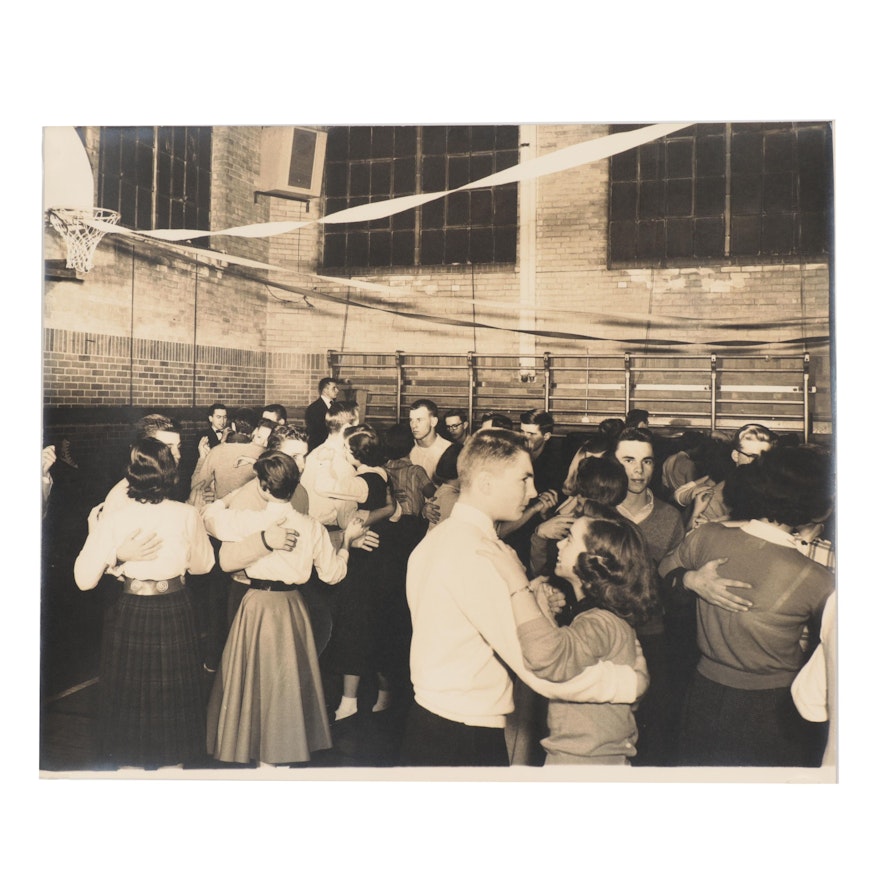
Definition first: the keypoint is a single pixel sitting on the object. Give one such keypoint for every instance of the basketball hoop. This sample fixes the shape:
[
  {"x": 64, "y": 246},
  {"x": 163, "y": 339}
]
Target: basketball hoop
[{"x": 75, "y": 226}]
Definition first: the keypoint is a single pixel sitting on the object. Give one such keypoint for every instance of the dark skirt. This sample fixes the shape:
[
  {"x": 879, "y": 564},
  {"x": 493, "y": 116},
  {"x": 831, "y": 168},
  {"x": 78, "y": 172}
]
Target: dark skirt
[
  {"x": 729, "y": 727},
  {"x": 151, "y": 711}
]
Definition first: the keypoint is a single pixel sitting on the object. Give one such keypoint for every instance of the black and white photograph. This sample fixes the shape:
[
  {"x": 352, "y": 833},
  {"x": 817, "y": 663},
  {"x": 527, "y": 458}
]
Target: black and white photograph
[{"x": 407, "y": 469}]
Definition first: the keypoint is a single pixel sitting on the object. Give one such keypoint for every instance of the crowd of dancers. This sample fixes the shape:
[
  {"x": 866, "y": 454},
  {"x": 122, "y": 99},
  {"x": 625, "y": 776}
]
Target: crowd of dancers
[{"x": 644, "y": 600}]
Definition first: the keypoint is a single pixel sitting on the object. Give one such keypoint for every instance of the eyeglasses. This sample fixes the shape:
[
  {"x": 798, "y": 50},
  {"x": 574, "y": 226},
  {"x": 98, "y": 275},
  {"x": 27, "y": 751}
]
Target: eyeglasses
[{"x": 455, "y": 427}]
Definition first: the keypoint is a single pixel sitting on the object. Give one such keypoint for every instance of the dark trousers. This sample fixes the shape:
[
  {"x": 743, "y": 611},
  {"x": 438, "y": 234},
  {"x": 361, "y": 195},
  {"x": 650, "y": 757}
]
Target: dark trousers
[{"x": 432, "y": 741}]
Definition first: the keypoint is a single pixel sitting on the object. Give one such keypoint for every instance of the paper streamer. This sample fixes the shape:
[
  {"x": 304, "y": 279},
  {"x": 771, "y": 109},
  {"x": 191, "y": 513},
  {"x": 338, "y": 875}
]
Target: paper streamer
[{"x": 552, "y": 163}]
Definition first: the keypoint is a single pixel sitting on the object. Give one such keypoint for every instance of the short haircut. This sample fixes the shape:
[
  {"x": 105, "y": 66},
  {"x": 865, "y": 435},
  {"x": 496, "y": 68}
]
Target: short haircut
[
  {"x": 429, "y": 405},
  {"x": 754, "y": 431},
  {"x": 539, "y": 417},
  {"x": 399, "y": 441},
  {"x": 602, "y": 480},
  {"x": 611, "y": 428},
  {"x": 327, "y": 380},
  {"x": 489, "y": 448},
  {"x": 447, "y": 464},
  {"x": 789, "y": 485},
  {"x": 455, "y": 413},
  {"x": 152, "y": 424},
  {"x": 280, "y": 433},
  {"x": 639, "y": 435},
  {"x": 635, "y": 416},
  {"x": 151, "y": 472},
  {"x": 245, "y": 421},
  {"x": 216, "y": 406},
  {"x": 276, "y": 408},
  {"x": 340, "y": 414},
  {"x": 365, "y": 445},
  {"x": 498, "y": 420},
  {"x": 277, "y": 473}
]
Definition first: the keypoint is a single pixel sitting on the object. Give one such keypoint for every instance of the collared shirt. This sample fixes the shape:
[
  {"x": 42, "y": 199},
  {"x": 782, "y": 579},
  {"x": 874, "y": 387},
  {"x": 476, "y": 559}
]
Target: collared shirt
[
  {"x": 326, "y": 463},
  {"x": 464, "y": 633}
]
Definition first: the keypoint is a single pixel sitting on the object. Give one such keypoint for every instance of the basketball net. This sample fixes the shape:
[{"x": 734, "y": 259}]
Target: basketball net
[{"x": 74, "y": 225}]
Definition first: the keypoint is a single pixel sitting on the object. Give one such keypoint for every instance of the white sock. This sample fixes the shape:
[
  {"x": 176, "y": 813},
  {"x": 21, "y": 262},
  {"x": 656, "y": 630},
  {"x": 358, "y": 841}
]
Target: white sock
[
  {"x": 347, "y": 706},
  {"x": 383, "y": 701}
]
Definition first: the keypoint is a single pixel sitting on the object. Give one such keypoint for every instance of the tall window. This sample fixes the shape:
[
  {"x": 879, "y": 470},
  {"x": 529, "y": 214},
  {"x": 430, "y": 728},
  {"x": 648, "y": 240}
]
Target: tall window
[
  {"x": 157, "y": 177},
  {"x": 375, "y": 163},
  {"x": 722, "y": 191}
]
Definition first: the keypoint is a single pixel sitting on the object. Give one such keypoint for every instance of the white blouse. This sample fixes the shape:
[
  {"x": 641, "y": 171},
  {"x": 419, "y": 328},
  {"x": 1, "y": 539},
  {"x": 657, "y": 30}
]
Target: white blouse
[{"x": 185, "y": 544}]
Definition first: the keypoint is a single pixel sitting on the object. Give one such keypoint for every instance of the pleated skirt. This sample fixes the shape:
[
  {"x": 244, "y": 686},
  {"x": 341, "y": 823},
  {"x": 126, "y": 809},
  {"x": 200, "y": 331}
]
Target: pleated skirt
[
  {"x": 267, "y": 701},
  {"x": 151, "y": 709}
]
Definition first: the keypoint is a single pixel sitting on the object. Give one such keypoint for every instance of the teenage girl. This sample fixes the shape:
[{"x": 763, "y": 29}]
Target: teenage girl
[{"x": 605, "y": 560}]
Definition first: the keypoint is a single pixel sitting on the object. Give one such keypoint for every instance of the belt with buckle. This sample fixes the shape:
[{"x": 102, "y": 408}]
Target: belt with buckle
[
  {"x": 138, "y": 587},
  {"x": 273, "y": 586}
]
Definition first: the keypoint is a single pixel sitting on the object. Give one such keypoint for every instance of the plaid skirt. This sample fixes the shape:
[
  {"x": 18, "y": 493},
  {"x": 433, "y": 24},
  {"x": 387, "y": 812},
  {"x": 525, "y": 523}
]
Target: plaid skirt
[{"x": 151, "y": 710}]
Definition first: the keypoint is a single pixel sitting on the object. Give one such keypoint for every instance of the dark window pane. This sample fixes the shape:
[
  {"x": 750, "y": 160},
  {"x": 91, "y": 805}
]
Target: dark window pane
[
  {"x": 359, "y": 142},
  {"x": 431, "y": 247},
  {"x": 505, "y": 198},
  {"x": 334, "y": 250},
  {"x": 458, "y": 207},
  {"x": 651, "y": 161},
  {"x": 178, "y": 136},
  {"x": 710, "y": 157},
  {"x": 459, "y": 171},
  {"x": 651, "y": 244},
  {"x": 358, "y": 249},
  {"x": 746, "y": 152},
  {"x": 163, "y": 212},
  {"x": 434, "y": 214},
  {"x": 679, "y": 198},
  {"x": 434, "y": 140},
  {"x": 622, "y": 241},
  {"x": 434, "y": 174},
  {"x": 811, "y": 151},
  {"x": 481, "y": 166},
  {"x": 458, "y": 139},
  {"x": 110, "y": 193},
  {"x": 336, "y": 205},
  {"x": 745, "y": 194},
  {"x": 814, "y": 234},
  {"x": 778, "y": 193},
  {"x": 143, "y": 171},
  {"x": 813, "y": 191},
  {"x": 482, "y": 246},
  {"x": 178, "y": 174},
  {"x": 652, "y": 197},
  {"x": 403, "y": 248},
  {"x": 383, "y": 142},
  {"x": 624, "y": 166},
  {"x": 679, "y": 238},
  {"x": 405, "y": 176},
  {"x": 507, "y": 137},
  {"x": 176, "y": 212},
  {"x": 779, "y": 152},
  {"x": 128, "y": 205},
  {"x": 359, "y": 181},
  {"x": 404, "y": 220},
  {"x": 709, "y": 238},
  {"x": 380, "y": 179},
  {"x": 336, "y": 179},
  {"x": 380, "y": 249},
  {"x": 110, "y": 151},
  {"x": 680, "y": 158},
  {"x": 777, "y": 234},
  {"x": 457, "y": 249},
  {"x": 506, "y": 159},
  {"x": 482, "y": 138},
  {"x": 405, "y": 140},
  {"x": 745, "y": 236},
  {"x": 623, "y": 201},
  {"x": 505, "y": 244},
  {"x": 709, "y": 196},
  {"x": 337, "y": 143},
  {"x": 481, "y": 207}
]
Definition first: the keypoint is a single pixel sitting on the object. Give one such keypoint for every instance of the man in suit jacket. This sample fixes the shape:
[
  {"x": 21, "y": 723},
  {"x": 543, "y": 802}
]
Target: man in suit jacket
[
  {"x": 217, "y": 429},
  {"x": 316, "y": 412}
]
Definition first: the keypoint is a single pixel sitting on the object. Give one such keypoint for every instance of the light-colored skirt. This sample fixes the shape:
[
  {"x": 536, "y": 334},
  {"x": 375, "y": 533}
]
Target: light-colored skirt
[{"x": 267, "y": 702}]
